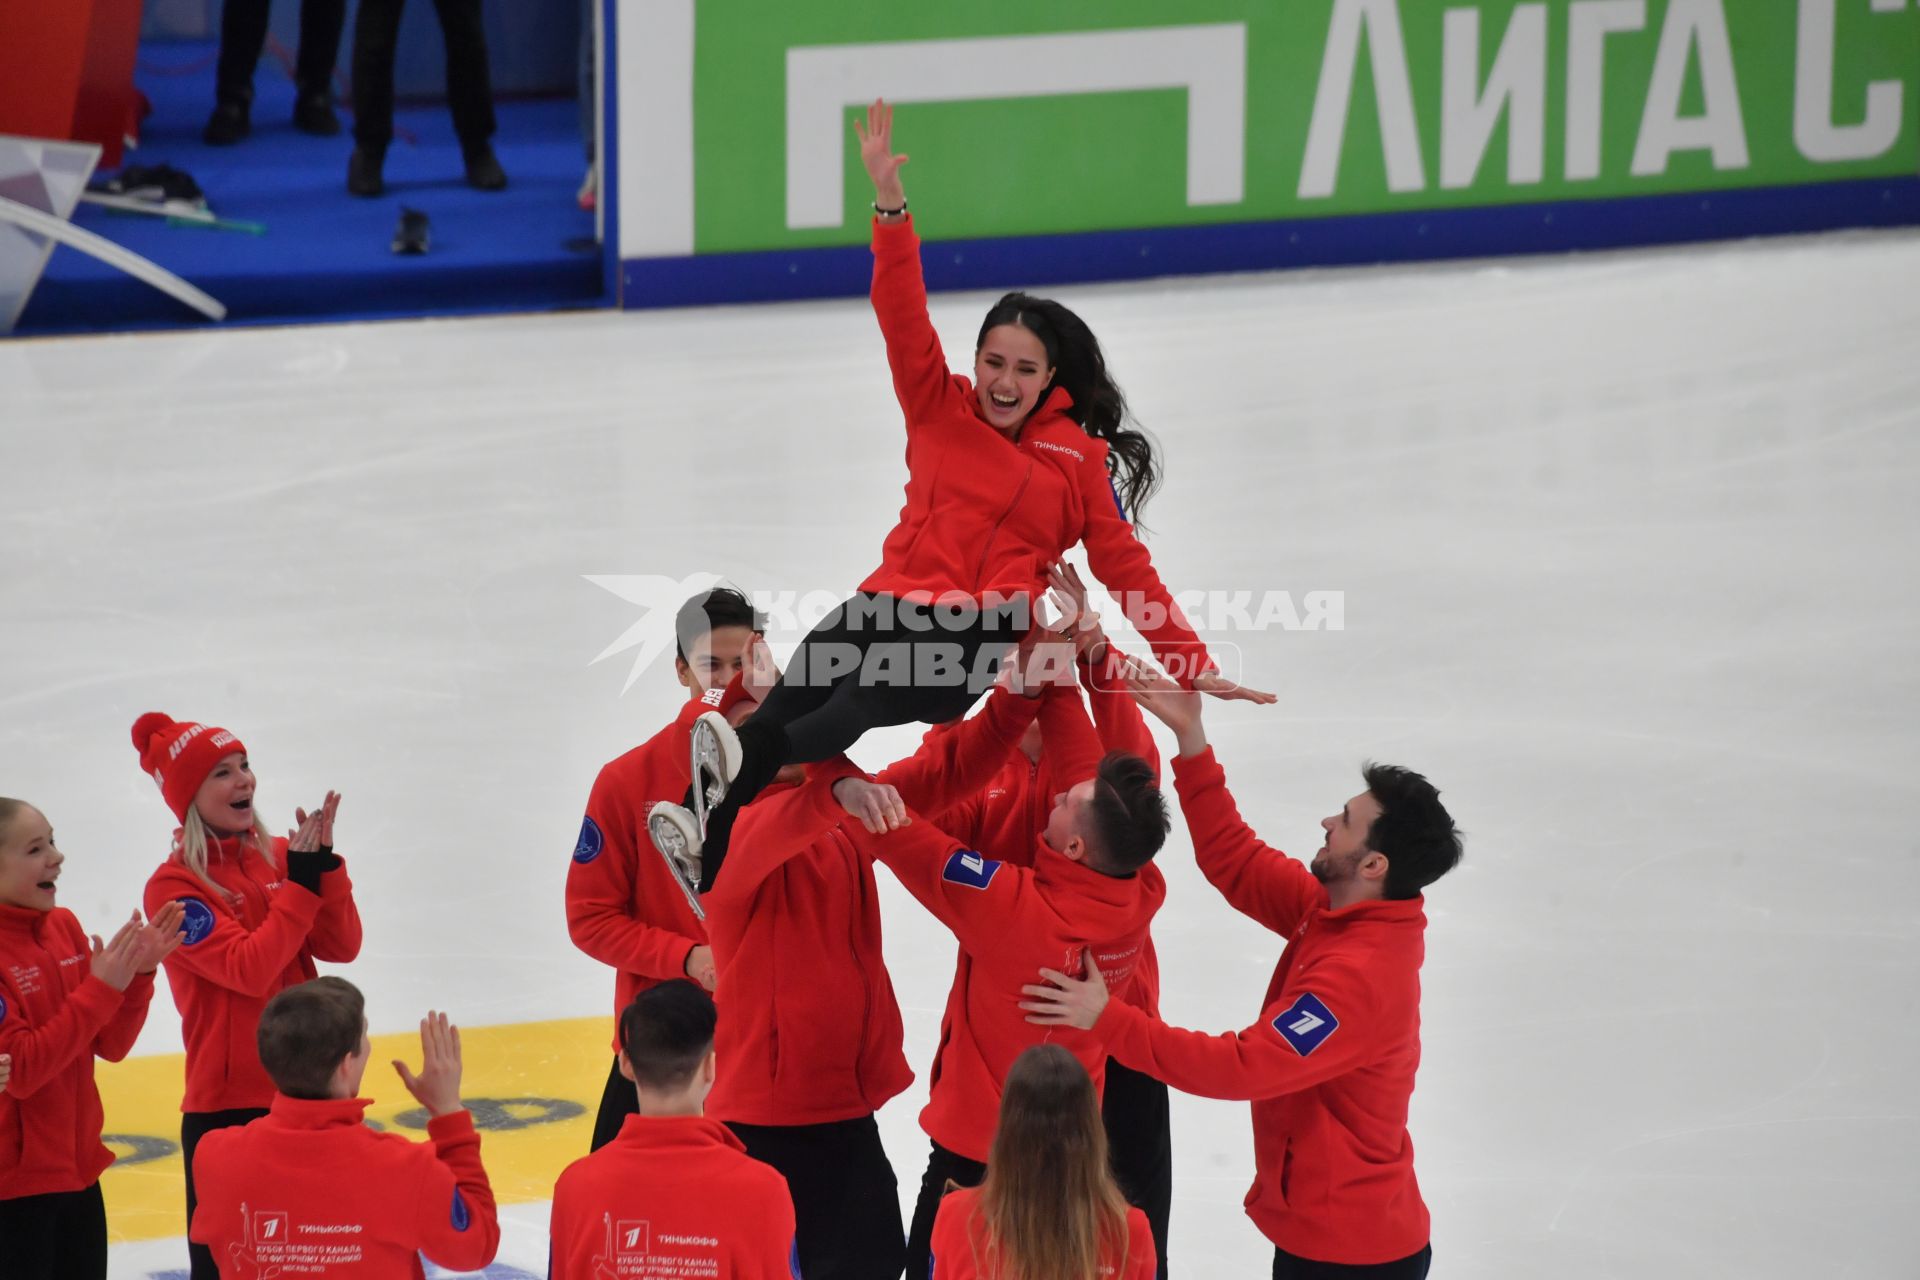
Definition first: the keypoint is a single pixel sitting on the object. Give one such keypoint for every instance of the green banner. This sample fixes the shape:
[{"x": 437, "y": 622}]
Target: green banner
[{"x": 1039, "y": 116}]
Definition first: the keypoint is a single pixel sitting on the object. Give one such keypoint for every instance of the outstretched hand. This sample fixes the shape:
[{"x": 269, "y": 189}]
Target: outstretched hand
[
  {"x": 1067, "y": 1002},
  {"x": 877, "y": 804},
  {"x": 437, "y": 1086},
  {"x": 876, "y": 153},
  {"x": 1218, "y": 686},
  {"x": 1167, "y": 702}
]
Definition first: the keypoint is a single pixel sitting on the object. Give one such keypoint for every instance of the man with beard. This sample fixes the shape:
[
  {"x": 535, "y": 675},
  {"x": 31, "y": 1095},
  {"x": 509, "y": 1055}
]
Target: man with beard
[{"x": 1329, "y": 1065}]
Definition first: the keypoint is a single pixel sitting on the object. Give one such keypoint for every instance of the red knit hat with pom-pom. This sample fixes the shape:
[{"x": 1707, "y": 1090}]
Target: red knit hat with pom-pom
[{"x": 179, "y": 756}]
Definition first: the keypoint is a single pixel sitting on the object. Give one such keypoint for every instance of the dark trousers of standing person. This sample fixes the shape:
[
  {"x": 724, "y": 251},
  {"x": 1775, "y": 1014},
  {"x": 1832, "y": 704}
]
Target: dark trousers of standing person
[
  {"x": 469, "y": 83},
  {"x": 617, "y": 1101},
  {"x": 195, "y": 1125},
  {"x": 1414, "y": 1267},
  {"x": 243, "y": 34},
  {"x": 943, "y": 1167},
  {"x": 1140, "y": 1148},
  {"x": 58, "y": 1236},
  {"x": 846, "y": 1202},
  {"x": 874, "y": 661}
]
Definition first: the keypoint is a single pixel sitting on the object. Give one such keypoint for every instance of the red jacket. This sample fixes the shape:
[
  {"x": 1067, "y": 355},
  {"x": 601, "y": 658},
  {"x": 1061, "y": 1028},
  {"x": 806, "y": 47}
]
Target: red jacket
[
  {"x": 1004, "y": 819},
  {"x": 961, "y": 1250},
  {"x": 1010, "y": 921},
  {"x": 240, "y": 952},
  {"x": 1329, "y": 1065},
  {"x": 309, "y": 1190},
  {"x": 624, "y": 908},
  {"x": 55, "y": 1018},
  {"x": 672, "y": 1196},
  {"x": 795, "y": 919},
  {"x": 984, "y": 514}
]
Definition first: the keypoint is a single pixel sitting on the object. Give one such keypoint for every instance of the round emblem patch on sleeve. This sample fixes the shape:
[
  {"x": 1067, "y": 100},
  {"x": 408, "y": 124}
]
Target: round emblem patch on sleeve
[
  {"x": 198, "y": 923},
  {"x": 461, "y": 1217},
  {"x": 590, "y": 843}
]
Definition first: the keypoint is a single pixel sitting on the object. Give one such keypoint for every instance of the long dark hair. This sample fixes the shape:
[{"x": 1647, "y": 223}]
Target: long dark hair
[{"x": 1099, "y": 408}]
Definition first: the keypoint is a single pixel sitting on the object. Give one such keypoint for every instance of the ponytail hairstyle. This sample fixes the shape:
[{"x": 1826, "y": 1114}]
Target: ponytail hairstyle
[
  {"x": 1080, "y": 369},
  {"x": 194, "y": 841},
  {"x": 1049, "y": 1208}
]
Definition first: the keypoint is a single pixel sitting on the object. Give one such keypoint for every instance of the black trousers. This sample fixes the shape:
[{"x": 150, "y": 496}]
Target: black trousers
[
  {"x": 243, "y": 34},
  {"x": 617, "y": 1101},
  {"x": 1287, "y": 1267},
  {"x": 943, "y": 1166},
  {"x": 846, "y": 1202},
  {"x": 872, "y": 662},
  {"x": 878, "y": 660},
  {"x": 195, "y": 1125},
  {"x": 469, "y": 83},
  {"x": 58, "y": 1236},
  {"x": 1140, "y": 1148}
]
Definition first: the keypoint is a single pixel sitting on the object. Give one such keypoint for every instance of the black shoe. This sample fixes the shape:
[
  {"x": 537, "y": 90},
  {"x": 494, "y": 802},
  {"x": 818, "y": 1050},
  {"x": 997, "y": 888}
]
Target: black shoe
[
  {"x": 483, "y": 170},
  {"x": 313, "y": 113},
  {"x": 363, "y": 172},
  {"x": 229, "y": 123},
  {"x": 411, "y": 236}
]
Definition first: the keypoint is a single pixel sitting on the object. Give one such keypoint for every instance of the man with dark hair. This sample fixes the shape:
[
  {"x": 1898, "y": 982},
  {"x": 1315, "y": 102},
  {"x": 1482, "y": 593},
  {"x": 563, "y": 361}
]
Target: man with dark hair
[
  {"x": 1090, "y": 893},
  {"x": 1330, "y": 1065},
  {"x": 625, "y": 908},
  {"x": 309, "y": 1188},
  {"x": 675, "y": 1194}
]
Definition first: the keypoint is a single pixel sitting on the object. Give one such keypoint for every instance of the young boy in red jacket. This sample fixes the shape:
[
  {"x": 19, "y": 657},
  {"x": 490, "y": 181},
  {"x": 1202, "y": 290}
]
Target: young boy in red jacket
[
  {"x": 1330, "y": 1065},
  {"x": 795, "y": 920},
  {"x": 309, "y": 1189},
  {"x": 63, "y": 1003},
  {"x": 675, "y": 1194},
  {"x": 624, "y": 906},
  {"x": 1091, "y": 892}
]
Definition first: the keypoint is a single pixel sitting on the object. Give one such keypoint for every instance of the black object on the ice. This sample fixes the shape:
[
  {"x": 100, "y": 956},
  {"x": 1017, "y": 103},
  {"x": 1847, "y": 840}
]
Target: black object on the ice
[
  {"x": 155, "y": 182},
  {"x": 230, "y": 122},
  {"x": 313, "y": 113},
  {"x": 411, "y": 236},
  {"x": 483, "y": 170},
  {"x": 363, "y": 172}
]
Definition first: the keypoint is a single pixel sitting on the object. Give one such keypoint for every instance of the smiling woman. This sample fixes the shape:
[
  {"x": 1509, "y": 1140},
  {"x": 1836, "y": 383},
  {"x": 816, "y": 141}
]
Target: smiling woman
[
  {"x": 256, "y": 912},
  {"x": 64, "y": 1000},
  {"x": 1005, "y": 473}
]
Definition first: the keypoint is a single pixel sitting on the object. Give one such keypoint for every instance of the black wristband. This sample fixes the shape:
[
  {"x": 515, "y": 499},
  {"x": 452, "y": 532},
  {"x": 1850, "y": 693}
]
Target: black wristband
[{"x": 889, "y": 213}]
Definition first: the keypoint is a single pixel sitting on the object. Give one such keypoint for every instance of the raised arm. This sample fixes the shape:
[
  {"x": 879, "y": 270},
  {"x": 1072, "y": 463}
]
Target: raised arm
[
  {"x": 921, "y": 379},
  {"x": 953, "y": 764},
  {"x": 1257, "y": 880}
]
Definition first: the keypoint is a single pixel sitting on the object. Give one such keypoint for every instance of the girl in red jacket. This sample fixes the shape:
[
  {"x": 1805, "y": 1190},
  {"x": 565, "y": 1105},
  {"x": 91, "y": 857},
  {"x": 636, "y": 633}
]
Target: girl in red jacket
[
  {"x": 1049, "y": 1208},
  {"x": 1005, "y": 472},
  {"x": 63, "y": 1001},
  {"x": 257, "y": 912}
]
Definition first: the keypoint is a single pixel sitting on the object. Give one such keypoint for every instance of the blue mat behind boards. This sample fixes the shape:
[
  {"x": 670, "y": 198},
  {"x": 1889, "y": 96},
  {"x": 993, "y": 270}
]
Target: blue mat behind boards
[{"x": 324, "y": 254}]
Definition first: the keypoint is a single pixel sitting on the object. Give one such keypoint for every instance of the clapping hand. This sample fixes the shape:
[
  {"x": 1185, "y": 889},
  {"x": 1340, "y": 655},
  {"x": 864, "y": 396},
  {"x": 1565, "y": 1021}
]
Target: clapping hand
[
  {"x": 315, "y": 830},
  {"x": 437, "y": 1086},
  {"x": 160, "y": 937},
  {"x": 115, "y": 962}
]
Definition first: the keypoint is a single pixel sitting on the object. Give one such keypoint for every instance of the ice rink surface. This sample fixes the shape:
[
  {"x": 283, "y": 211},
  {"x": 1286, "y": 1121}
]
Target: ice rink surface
[{"x": 1628, "y": 547}]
